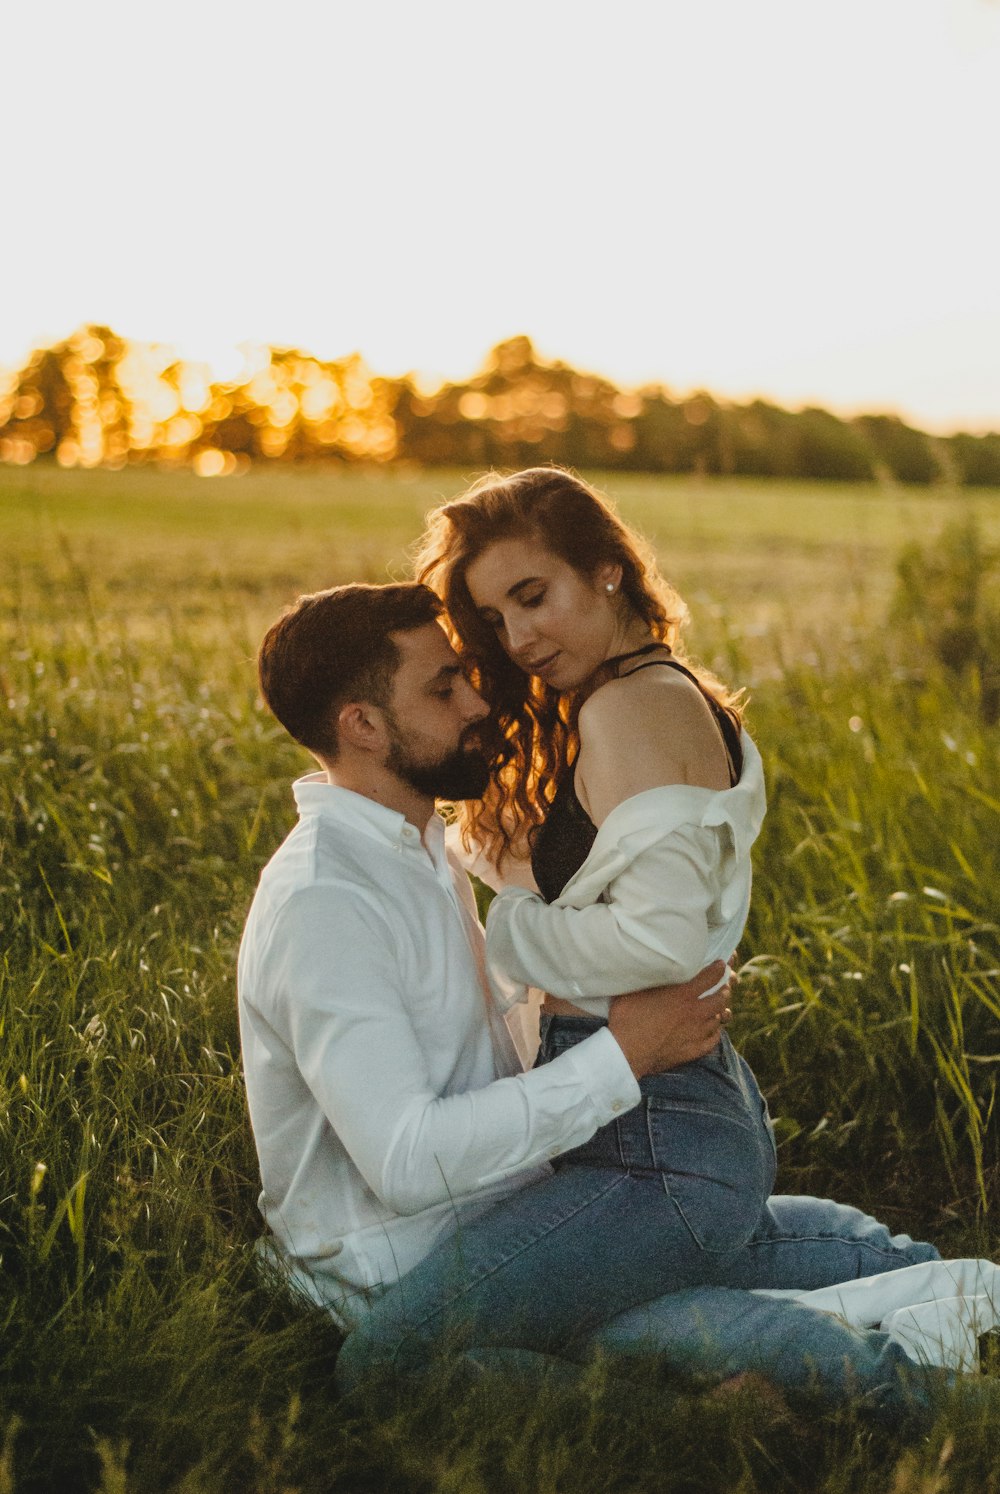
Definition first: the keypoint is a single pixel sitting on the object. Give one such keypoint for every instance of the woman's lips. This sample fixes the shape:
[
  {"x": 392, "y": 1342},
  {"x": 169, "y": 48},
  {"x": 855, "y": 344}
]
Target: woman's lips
[{"x": 542, "y": 667}]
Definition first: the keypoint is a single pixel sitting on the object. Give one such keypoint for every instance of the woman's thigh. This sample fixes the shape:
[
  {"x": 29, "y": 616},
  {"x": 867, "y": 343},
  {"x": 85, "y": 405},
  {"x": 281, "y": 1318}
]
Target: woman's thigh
[
  {"x": 549, "y": 1266},
  {"x": 703, "y": 1131}
]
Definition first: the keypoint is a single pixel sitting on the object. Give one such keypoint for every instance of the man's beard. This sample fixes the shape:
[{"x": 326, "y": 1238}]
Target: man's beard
[{"x": 462, "y": 774}]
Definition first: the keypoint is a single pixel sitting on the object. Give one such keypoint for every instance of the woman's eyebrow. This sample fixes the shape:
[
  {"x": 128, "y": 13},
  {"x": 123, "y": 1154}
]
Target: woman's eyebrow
[{"x": 518, "y": 586}]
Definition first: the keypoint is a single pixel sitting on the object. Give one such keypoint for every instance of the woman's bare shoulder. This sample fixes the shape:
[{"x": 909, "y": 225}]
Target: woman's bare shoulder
[
  {"x": 655, "y": 701},
  {"x": 647, "y": 730}
]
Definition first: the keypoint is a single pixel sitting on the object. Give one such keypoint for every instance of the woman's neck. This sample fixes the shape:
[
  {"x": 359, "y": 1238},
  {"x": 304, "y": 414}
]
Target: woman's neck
[
  {"x": 631, "y": 632},
  {"x": 629, "y": 640}
]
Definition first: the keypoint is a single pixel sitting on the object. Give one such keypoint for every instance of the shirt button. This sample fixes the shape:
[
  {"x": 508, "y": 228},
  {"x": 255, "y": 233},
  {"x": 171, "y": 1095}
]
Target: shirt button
[
  {"x": 616, "y": 1105},
  {"x": 553, "y": 1151}
]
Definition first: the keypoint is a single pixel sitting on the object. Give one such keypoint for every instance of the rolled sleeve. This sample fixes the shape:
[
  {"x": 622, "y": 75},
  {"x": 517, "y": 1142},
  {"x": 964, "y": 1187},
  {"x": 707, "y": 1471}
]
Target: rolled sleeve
[{"x": 652, "y": 930}]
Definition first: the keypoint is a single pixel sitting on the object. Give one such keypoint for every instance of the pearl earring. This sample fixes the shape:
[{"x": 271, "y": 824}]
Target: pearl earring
[{"x": 609, "y": 587}]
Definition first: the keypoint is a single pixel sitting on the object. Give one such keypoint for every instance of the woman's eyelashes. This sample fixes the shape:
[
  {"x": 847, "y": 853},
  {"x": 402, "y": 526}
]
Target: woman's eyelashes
[
  {"x": 498, "y": 623},
  {"x": 528, "y": 603}
]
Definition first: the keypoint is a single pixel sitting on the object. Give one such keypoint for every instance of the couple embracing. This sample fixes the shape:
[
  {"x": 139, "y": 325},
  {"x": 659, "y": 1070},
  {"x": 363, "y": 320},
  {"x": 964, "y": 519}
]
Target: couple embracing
[{"x": 418, "y": 1182}]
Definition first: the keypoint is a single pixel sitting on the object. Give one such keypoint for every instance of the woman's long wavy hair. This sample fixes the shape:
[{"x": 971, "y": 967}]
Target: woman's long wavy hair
[{"x": 536, "y": 737}]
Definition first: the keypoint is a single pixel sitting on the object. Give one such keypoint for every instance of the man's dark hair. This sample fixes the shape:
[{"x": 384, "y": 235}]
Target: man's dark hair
[{"x": 332, "y": 647}]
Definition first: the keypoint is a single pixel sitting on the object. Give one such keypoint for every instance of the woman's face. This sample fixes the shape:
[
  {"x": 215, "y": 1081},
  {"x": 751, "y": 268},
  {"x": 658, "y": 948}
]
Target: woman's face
[{"x": 553, "y": 622}]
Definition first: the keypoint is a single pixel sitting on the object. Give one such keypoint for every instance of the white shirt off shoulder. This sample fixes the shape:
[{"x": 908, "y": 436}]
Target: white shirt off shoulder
[{"x": 664, "y": 891}]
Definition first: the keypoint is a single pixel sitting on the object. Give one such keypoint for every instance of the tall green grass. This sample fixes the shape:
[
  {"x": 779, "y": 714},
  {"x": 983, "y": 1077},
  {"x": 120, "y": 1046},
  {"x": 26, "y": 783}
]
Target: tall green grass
[{"x": 142, "y": 787}]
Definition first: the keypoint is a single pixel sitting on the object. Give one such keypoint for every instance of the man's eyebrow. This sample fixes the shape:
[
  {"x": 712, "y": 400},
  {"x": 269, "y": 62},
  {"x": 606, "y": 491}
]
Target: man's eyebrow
[{"x": 447, "y": 671}]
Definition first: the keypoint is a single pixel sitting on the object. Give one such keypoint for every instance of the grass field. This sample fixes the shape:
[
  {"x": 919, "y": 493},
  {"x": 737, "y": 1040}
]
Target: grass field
[
  {"x": 791, "y": 563},
  {"x": 142, "y": 789}
]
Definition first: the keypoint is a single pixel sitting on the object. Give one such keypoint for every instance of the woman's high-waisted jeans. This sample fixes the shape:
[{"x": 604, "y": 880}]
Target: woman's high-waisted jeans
[{"x": 701, "y": 1133}]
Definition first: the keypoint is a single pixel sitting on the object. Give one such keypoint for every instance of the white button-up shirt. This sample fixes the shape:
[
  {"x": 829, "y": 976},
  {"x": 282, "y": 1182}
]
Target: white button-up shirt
[{"x": 385, "y": 1093}]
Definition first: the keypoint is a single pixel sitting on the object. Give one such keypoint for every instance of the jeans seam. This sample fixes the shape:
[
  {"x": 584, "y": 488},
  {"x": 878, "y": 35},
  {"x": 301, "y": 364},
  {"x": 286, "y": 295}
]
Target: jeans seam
[
  {"x": 891, "y": 1254},
  {"x": 688, "y": 1107}
]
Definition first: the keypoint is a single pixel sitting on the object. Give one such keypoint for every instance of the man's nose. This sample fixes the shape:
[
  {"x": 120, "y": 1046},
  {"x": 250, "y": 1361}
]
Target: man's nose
[{"x": 476, "y": 708}]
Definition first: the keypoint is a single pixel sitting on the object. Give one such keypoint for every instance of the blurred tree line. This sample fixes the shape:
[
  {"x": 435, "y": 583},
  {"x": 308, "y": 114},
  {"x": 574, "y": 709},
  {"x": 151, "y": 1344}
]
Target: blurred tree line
[{"x": 97, "y": 400}]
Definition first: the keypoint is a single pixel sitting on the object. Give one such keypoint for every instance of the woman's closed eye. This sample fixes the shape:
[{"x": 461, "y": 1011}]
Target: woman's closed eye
[{"x": 498, "y": 623}]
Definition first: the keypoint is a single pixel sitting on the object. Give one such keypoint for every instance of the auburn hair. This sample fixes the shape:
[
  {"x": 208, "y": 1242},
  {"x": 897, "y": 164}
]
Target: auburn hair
[{"x": 535, "y": 728}]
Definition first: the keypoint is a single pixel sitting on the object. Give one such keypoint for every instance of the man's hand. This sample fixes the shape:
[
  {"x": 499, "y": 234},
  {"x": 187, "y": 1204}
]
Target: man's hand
[{"x": 669, "y": 1025}]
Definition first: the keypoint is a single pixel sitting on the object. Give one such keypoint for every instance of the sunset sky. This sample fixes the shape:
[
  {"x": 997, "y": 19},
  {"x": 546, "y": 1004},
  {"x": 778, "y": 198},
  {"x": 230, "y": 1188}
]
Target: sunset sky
[{"x": 771, "y": 197}]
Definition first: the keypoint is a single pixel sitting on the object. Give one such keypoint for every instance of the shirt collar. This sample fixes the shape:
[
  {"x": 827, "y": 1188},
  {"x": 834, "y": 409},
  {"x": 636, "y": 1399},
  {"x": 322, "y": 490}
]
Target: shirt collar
[{"x": 315, "y": 795}]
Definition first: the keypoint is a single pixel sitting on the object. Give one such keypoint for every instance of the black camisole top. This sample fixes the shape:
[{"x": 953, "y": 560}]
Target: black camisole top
[{"x": 561, "y": 843}]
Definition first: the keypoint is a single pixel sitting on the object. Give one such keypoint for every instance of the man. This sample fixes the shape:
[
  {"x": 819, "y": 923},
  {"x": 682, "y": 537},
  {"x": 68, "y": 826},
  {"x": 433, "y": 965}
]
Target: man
[{"x": 404, "y": 1154}]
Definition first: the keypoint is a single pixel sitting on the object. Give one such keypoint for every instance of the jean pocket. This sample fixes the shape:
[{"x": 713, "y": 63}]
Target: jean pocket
[{"x": 713, "y": 1168}]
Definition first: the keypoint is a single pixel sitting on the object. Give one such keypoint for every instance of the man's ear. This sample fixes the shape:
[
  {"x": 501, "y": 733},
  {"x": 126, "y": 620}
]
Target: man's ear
[{"x": 360, "y": 725}]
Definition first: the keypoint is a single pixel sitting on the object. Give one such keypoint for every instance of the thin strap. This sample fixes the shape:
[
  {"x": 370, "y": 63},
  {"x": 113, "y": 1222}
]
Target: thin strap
[
  {"x": 635, "y": 653},
  {"x": 730, "y": 735}
]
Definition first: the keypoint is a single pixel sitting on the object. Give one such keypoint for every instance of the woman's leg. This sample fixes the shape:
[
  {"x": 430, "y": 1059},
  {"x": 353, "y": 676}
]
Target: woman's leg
[
  {"x": 649, "y": 1205},
  {"x": 715, "y": 1333},
  {"x": 671, "y": 1196},
  {"x": 938, "y": 1310},
  {"x": 545, "y": 1267},
  {"x": 805, "y": 1243}
]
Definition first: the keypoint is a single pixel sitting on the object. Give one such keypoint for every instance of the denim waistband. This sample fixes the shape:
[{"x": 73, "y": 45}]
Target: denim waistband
[
  {"x": 557, "y": 1033},
  {"x": 566, "y": 1030}
]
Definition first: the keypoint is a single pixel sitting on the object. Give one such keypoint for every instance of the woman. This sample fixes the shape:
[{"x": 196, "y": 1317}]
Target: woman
[
  {"x": 643, "y": 795},
  {"x": 627, "y": 779},
  {"x": 630, "y": 777}
]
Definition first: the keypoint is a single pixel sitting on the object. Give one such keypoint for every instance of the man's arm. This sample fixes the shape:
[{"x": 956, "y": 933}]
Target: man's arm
[{"x": 349, "y": 1025}]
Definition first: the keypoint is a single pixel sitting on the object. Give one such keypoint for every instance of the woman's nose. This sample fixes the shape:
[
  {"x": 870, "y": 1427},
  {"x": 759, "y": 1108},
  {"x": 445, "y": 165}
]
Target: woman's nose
[{"x": 519, "y": 634}]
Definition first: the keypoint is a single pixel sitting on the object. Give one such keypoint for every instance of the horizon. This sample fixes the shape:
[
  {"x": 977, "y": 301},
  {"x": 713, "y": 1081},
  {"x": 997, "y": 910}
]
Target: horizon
[{"x": 238, "y": 363}]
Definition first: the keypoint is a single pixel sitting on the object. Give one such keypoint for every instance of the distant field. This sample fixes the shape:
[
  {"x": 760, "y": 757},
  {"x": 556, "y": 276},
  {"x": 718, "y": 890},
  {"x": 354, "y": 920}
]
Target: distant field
[{"x": 785, "y": 565}]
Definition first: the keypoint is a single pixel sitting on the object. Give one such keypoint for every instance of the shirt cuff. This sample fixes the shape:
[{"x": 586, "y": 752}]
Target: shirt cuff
[{"x": 604, "y": 1071}]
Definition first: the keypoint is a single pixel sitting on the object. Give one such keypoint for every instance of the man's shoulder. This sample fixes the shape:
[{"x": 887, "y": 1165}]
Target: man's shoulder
[
  {"x": 315, "y": 852},
  {"x": 310, "y": 906},
  {"x": 316, "y": 859}
]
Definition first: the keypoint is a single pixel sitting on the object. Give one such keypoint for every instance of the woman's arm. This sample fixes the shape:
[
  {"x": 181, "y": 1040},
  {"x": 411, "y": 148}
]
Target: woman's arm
[
  {"x": 649, "y": 731},
  {"x": 653, "y": 930}
]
